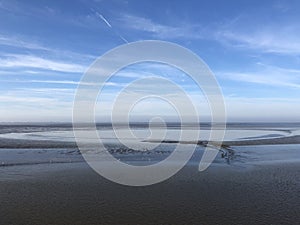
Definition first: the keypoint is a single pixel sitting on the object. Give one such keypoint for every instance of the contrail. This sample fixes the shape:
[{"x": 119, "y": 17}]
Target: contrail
[
  {"x": 123, "y": 39},
  {"x": 102, "y": 18},
  {"x": 110, "y": 26}
]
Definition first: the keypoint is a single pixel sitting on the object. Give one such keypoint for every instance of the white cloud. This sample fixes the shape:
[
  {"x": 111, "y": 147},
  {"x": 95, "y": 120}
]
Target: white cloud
[
  {"x": 160, "y": 30},
  {"x": 21, "y": 42},
  {"x": 262, "y": 78},
  {"x": 71, "y": 82},
  {"x": 16, "y": 42},
  {"x": 275, "y": 40},
  {"x": 30, "y": 61},
  {"x": 255, "y": 33},
  {"x": 268, "y": 75}
]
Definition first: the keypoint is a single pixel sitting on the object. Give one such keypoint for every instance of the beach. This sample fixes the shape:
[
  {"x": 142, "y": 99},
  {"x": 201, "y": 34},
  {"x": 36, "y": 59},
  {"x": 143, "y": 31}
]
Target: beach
[
  {"x": 170, "y": 112},
  {"x": 46, "y": 183}
]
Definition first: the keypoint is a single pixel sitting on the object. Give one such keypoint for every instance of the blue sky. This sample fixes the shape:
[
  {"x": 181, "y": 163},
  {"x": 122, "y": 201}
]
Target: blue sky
[{"x": 253, "y": 48}]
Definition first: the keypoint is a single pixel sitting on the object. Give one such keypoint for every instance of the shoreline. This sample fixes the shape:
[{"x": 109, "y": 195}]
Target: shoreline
[
  {"x": 23, "y": 143},
  {"x": 259, "y": 186}
]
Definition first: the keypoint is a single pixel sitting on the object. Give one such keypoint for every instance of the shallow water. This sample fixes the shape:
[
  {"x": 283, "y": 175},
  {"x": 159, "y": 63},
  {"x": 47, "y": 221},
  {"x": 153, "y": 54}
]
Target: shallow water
[
  {"x": 142, "y": 134},
  {"x": 139, "y": 152},
  {"x": 258, "y": 185}
]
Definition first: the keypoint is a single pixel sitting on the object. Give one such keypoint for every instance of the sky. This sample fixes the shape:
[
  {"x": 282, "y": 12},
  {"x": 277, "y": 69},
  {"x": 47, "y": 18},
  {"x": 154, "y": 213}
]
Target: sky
[{"x": 252, "y": 47}]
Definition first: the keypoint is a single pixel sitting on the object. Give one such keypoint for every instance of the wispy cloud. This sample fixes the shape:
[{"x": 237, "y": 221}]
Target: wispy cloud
[
  {"x": 22, "y": 43},
  {"x": 272, "y": 38},
  {"x": 55, "y": 93},
  {"x": 71, "y": 82},
  {"x": 30, "y": 61},
  {"x": 268, "y": 75},
  {"x": 276, "y": 40},
  {"x": 16, "y": 42},
  {"x": 261, "y": 78},
  {"x": 248, "y": 33},
  {"x": 158, "y": 30}
]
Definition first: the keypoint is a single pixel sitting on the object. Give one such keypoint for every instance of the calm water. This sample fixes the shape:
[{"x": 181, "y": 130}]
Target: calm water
[{"x": 143, "y": 152}]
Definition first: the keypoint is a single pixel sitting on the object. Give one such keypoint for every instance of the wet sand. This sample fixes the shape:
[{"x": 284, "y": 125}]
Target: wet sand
[
  {"x": 271, "y": 141},
  {"x": 48, "y": 182},
  {"x": 74, "y": 194},
  {"x": 19, "y": 143}
]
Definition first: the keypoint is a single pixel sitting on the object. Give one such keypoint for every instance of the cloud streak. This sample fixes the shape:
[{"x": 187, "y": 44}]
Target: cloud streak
[
  {"x": 268, "y": 75},
  {"x": 103, "y": 18},
  {"x": 31, "y": 61},
  {"x": 15, "y": 42},
  {"x": 261, "y": 78},
  {"x": 161, "y": 31},
  {"x": 110, "y": 26},
  {"x": 271, "y": 38},
  {"x": 286, "y": 41}
]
